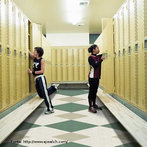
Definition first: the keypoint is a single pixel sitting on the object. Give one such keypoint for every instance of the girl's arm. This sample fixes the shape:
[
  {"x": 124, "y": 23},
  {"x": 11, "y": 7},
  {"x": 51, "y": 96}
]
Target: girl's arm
[
  {"x": 31, "y": 55},
  {"x": 93, "y": 63}
]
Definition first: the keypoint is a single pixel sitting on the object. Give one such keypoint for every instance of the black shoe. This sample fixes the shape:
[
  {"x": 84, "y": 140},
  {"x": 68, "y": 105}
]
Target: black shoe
[
  {"x": 92, "y": 109},
  {"x": 96, "y": 107}
]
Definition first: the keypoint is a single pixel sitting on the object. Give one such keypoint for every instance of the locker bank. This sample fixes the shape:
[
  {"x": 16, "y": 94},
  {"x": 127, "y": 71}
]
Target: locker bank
[{"x": 65, "y": 29}]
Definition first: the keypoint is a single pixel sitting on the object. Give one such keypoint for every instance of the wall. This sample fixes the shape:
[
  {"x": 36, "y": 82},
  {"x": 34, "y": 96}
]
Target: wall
[{"x": 73, "y": 39}]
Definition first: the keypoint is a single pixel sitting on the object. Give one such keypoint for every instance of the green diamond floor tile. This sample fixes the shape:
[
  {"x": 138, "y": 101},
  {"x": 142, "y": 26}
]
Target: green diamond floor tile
[
  {"x": 133, "y": 144},
  {"x": 71, "y": 126},
  {"x": 11, "y": 145},
  {"x": 115, "y": 125},
  {"x": 71, "y": 144},
  {"x": 72, "y": 92},
  {"x": 71, "y": 107},
  {"x": 26, "y": 126}
]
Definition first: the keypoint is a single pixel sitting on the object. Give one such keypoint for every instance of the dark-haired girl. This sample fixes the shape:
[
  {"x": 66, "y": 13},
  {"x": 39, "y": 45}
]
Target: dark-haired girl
[
  {"x": 40, "y": 80},
  {"x": 94, "y": 76}
]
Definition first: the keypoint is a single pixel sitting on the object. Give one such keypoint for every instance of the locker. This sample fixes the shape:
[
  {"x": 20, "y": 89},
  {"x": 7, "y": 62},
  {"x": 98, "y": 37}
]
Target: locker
[
  {"x": 49, "y": 58},
  {"x": 18, "y": 57},
  {"x": 70, "y": 64},
  {"x": 81, "y": 63},
  {"x": 3, "y": 54},
  {"x": 145, "y": 18},
  {"x": 86, "y": 64},
  {"x": 59, "y": 65},
  {"x": 76, "y": 61},
  {"x": 54, "y": 69},
  {"x": 136, "y": 74},
  {"x": 26, "y": 58},
  {"x": 65, "y": 63}
]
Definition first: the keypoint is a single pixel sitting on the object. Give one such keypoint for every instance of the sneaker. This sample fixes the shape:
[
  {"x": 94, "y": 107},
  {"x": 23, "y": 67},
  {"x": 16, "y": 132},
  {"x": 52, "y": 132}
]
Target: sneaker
[
  {"x": 49, "y": 111},
  {"x": 92, "y": 109},
  {"x": 96, "y": 107},
  {"x": 55, "y": 86},
  {"x": 52, "y": 111}
]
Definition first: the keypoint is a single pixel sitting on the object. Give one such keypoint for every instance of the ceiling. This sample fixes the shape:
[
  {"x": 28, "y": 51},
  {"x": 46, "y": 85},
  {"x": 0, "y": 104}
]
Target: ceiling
[{"x": 52, "y": 14}]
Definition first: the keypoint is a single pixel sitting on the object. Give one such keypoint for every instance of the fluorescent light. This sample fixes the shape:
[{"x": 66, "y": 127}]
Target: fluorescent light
[{"x": 75, "y": 11}]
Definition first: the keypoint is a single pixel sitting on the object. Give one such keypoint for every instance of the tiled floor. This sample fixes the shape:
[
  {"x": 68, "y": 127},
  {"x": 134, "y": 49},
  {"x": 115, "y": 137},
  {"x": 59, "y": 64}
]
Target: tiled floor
[{"x": 70, "y": 126}]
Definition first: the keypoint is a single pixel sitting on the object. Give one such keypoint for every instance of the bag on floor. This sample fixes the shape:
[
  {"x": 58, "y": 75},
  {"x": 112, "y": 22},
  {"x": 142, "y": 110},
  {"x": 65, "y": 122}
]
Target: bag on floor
[{"x": 51, "y": 89}]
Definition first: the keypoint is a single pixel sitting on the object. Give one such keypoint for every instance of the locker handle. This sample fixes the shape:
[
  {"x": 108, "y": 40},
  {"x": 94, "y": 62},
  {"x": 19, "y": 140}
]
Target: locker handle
[
  {"x": 0, "y": 48},
  {"x": 124, "y": 52},
  {"x": 136, "y": 47},
  {"x": 145, "y": 44},
  {"x": 129, "y": 50},
  {"x": 114, "y": 54},
  {"x": 25, "y": 56},
  {"x": 8, "y": 51},
  {"x": 21, "y": 54},
  {"x": 15, "y": 53},
  {"x": 119, "y": 53}
]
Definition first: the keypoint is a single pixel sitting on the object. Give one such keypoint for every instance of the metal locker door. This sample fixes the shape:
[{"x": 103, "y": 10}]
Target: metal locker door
[
  {"x": 65, "y": 62},
  {"x": 70, "y": 64},
  {"x": 59, "y": 57},
  {"x": 76, "y": 60},
  {"x": 4, "y": 68},
  {"x": 86, "y": 64},
  {"x": 54, "y": 68},
  {"x": 81, "y": 62}
]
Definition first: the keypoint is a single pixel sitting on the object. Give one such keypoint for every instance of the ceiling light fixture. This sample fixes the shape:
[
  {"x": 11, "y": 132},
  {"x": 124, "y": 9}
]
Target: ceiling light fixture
[{"x": 76, "y": 11}]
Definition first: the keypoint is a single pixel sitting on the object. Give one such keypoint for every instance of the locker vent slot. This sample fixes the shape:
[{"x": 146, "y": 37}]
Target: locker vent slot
[
  {"x": 136, "y": 21},
  {"x": 145, "y": 18},
  {"x": 136, "y": 77}
]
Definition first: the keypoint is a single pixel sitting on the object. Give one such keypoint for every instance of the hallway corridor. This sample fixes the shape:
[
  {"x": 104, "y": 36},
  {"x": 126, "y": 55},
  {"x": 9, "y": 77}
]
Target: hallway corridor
[{"x": 70, "y": 126}]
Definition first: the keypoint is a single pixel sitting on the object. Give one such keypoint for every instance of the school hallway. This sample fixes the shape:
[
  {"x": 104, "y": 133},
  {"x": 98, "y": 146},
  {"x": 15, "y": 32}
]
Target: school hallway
[{"x": 70, "y": 126}]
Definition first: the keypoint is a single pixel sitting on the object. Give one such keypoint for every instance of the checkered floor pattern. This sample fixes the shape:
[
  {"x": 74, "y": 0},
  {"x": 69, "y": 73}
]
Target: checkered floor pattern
[{"x": 70, "y": 126}]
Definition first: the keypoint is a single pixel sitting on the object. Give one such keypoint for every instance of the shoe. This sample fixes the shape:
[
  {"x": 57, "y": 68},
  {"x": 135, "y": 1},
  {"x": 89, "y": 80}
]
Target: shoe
[
  {"x": 55, "y": 86},
  {"x": 52, "y": 111},
  {"x": 92, "y": 109},
  {"x": 49, "y": 111},
  {"x": 96, "y": 107}
]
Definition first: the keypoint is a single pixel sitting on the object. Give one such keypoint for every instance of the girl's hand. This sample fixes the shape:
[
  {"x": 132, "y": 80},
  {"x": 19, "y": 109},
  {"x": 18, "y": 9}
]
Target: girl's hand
[
  {"x": 102, "y": 58},
  {"x": 29, "y": 71}
]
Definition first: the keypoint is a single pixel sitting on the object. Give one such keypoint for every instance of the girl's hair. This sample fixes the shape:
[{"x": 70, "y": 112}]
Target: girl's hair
[
  {"x": 90, "y": 49},
  {"x": 39, "y": 51}
]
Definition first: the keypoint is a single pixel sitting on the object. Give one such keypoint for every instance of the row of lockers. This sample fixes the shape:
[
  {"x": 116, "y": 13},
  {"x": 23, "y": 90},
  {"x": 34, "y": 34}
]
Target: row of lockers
[
  {"x": 70, "y": 64},
  {"x": 127, "y": 54},
  {"x": 17, "y": 36}
]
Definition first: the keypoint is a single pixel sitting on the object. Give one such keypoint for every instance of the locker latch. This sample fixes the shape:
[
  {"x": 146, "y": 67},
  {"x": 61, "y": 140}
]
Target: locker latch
[
  {"x": 145, "y": 44},
  {"x": 0, "y": 48},
  {"x": 8, "y": 51}
]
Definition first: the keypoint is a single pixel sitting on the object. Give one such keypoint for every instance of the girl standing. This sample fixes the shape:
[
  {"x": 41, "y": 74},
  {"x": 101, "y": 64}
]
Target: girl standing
[
  {"x": 94, "y": 75},
  {"x": 40, "y": 80}
]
